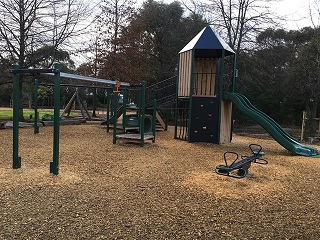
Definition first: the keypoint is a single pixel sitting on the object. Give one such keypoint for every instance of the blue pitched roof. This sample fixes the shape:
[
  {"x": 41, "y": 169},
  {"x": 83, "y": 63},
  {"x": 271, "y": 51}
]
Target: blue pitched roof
[{"x": 208, "y": 39}]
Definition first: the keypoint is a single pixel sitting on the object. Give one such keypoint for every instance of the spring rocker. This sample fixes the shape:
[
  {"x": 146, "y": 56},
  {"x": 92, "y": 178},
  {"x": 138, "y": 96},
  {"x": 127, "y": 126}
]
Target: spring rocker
[{"x": 239, "y": 168}]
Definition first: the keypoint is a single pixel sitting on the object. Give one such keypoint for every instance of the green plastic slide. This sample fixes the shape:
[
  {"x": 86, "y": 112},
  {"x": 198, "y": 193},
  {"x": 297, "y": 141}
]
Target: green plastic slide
[
  {"x": 114, "y": 117},
  {"x": 273, "y": 128}
]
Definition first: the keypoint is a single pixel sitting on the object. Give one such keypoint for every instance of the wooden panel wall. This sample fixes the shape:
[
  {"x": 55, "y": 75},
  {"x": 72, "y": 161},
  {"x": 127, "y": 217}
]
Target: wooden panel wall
[
  {"x": 185, "y": 65},
  {"x": 205, "y": 76},
  {"x": 226, "y": 118}
]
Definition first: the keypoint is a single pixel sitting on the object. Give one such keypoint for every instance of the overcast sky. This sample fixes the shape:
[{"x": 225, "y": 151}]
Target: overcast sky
[{"x": 297, "y": 13}]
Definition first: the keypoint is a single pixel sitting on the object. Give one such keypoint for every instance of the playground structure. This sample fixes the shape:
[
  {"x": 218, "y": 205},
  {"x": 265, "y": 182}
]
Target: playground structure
[
  {"x": 76, "y": 99},
  {"x": 127, "y": 102},
  {"x": 239, "y": 168},
  {"x": 139, "y": 109},
  {"x": 206, "y": 94},
  {"x": 202, "y": 115},
  {"x": 57, "y": 75},
  {"x": 204, "y": 99},
  {"x": 137, "y": 121},
  {"x": 65, "y": 117}
]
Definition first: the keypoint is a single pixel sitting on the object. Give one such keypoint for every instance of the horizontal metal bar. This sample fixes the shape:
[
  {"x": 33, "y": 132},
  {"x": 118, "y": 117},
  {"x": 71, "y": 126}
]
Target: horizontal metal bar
[
  {"x": 52, "y": 71},
  {"x": 35, "y": 71},
  {"x": 91, "y": 79},
  {"x": 75, "y": 86}
]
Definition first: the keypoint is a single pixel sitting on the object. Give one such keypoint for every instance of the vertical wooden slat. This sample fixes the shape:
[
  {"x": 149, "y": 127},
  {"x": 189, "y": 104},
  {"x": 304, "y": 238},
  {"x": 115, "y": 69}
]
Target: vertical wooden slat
[
  {"x": 205, "y": 76},
  {"x": 226, "y": 119},
  {"x": 185, "y": 65},
  {"x": 212, "y": 77},
  {"x": 188, "y": 72}
]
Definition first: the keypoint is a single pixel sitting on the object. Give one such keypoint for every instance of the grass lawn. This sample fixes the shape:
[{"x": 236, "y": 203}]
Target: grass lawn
[{"x": 7, "y": 114}]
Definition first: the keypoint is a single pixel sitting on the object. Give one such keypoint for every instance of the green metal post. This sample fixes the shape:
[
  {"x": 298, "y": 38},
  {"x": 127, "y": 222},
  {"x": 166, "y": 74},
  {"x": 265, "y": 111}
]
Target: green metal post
[
  {"x": 16, "y": 102},
  {"x": 190, "y": 94},
  {"x": 234, "y": 77},
  {"x": 108, "y": 110},
  {"x": 217, "y": 78},
  {"x": 176, "y": 108},
  {"x": 177, "y": 104},
  {"x": 233, "y": 87},
  {"x": 54, "y": 165},
  {"x": 115, "y": 106},
  {"x": 36, "y": 114},
  {"x": 154, "y": 116},
  {"x": 176, "y": 120},
  {"x": 124, "y": 109},
  {"x": 167, "y": 120},
  {"x": 142, "y": 112},
  {"x": 221, "y": 71}
]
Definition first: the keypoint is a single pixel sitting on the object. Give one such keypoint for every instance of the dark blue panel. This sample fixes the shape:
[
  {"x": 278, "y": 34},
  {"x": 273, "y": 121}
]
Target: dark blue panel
[
  {"x": 208, "y": 40},
  {"x": 204, "y": 119}
]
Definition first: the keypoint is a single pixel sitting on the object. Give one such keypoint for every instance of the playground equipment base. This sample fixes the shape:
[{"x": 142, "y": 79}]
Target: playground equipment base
[
  {"x": 129, "y": 136},
  {"x": 9, "y": 124},
  {"x": 65, "y": 122}
]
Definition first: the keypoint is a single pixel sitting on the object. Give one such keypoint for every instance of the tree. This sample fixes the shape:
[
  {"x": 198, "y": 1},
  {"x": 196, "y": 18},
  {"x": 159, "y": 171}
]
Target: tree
[
  {"x": 115, "y": 16},
  {"x": 239, "y": 20},
  {"x": 27, "y": 25},
  {"x": 307, "y": 72},
  {"x": 314, "y": 12},
  {"x": 283, "y": 73},
  {"x": 5, "y": 82},
  {"x": 44, "y": 56},
  {"x": 153, "y": 39},
  {"x": 264, "y": 74}
]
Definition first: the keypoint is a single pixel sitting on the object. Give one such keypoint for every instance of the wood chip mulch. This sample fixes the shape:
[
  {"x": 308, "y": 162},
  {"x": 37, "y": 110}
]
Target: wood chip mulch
[{"x": 164, "y": 190}]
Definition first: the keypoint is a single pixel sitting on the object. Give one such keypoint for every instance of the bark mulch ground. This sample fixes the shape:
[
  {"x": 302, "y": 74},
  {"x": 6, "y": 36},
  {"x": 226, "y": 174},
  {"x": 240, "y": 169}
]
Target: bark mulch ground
[{"x": 165, "y": 190}]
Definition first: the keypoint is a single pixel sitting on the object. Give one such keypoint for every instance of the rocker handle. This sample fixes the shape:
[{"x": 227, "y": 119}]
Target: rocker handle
[
  {"x": 225, "y": 157},
  {"x": 256, "y": 149}
]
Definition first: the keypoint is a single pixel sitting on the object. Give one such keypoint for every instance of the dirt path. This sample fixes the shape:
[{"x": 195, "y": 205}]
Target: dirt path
[{"x": 166, "y": 190}]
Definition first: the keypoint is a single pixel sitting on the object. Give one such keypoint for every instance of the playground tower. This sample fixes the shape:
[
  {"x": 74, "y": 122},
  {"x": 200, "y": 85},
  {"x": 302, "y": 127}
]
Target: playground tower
[{"x": 206, "y": 69}]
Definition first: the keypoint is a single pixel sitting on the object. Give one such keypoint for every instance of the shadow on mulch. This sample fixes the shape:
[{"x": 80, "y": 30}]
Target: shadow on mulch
[{"x": 256, "y": 131}]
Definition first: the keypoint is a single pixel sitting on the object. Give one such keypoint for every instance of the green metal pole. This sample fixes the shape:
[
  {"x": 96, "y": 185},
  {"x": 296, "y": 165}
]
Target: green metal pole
[
  {"x": 234, "y": 77},
  {"x": 54, "y": 165},
  {"x": 217, "y": 78},
  {"x": 167, "y": 120},
  {"x": 233, "y": 88},
  {"x": 36, "y": 114},
  {"x": 142, "y": 112},
  {"x": 16, "y": 102},
  {"x": 176, "y": 120},
  {"x": 190, "y": 94},
  {"x": 108, "y": 110},
  {"x": 124, "y": 109},
  {"x": 115, "y": 106},
  {"x": 177, "y": 103},
  {"x": 154, "y": 119},
  {"x": 221, "y": 72}
]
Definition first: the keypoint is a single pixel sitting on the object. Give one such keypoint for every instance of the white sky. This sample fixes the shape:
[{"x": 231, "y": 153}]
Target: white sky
[{"x": 297, "y": 13}]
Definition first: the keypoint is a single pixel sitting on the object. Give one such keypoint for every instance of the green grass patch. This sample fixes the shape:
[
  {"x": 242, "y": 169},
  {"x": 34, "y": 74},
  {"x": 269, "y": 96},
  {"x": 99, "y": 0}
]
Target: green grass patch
[{"x": 7, "y": 114}]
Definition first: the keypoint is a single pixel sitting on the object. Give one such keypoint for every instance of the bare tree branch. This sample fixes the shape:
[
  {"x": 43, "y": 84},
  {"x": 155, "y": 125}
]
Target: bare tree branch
[{"x": 238, "y": 20}]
